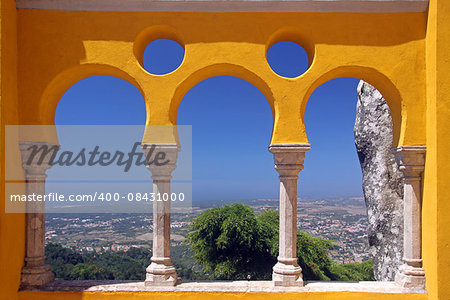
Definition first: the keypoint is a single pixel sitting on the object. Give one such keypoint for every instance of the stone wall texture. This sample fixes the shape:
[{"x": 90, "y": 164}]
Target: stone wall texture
[{"x": 382, "y": 181}]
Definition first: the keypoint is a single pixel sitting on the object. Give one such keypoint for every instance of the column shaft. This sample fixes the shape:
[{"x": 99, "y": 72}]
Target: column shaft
[
  {"x": 412, "y": 162},
  {"x": 288, "y": 163},
  {"x": 35, "y": 219},
  {"x": 161, "y": 272},
  {"x": 161, "y": 221},
  {"x": 288, "y": 217},
  {"x": 35, "y": 272},
  {"x": 412, "y": 214}
]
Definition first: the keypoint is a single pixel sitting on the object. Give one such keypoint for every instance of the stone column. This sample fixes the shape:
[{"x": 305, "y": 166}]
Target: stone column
[
  {"x": 288, "y": 163},
  {"x": 411, "y": 161},
  {"x": 161, "y": 272},
  {"x": 35, "y": 272}
]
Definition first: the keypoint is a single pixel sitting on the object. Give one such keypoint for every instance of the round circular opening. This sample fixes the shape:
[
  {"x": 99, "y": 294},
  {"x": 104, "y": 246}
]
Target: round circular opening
[
  {"x": 163, "y": 56},
  {"x": 288, "y": 59}
]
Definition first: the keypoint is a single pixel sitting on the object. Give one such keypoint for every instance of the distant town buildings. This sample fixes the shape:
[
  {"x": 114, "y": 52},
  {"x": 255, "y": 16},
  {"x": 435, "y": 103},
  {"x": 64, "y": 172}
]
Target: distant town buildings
[{"x": 341, "y": 220}]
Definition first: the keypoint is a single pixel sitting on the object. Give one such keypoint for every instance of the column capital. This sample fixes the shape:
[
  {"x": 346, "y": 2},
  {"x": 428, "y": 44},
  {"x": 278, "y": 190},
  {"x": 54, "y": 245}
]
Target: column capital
[
  {"x": 37, "y": 158},
  {"x": 411, "y": 160},
  {"x": 161, "y": 159},
  {"x": 289, "y": 158}
]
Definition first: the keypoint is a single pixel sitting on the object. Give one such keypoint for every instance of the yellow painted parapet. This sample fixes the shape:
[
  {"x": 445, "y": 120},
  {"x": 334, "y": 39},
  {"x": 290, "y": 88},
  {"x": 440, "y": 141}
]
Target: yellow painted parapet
[
  {"x": 404, "y": 55},
  {"x": 215, "y": 296}
]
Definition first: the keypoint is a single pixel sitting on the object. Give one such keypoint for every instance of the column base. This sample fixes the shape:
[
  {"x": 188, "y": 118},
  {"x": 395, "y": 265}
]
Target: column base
[
  {"x": 161, "y": 275},
  {"x": 410, "y": 277},
  {"x": 36, "y": 275},
  {"x": 287, "y": 275}
]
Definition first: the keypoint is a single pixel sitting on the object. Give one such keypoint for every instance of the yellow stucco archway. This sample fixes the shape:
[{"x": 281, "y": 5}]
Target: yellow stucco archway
[
  {"x": 45, "y": 112},
  {"x": 63, "y": 81},
  {"x": 225, "y": 49},
  {"x": 218, "y": 70},
  {"x": 376, "y": 79},
  {"x": 403, "y": 53}
]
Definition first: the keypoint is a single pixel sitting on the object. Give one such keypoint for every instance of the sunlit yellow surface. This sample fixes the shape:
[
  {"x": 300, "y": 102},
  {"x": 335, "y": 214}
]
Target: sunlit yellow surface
[{"x": 405, "y": 56}]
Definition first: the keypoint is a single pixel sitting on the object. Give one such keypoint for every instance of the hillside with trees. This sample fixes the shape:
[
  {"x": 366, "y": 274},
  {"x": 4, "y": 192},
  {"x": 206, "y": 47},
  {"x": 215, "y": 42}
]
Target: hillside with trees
[{"x": 225, "y": 243}]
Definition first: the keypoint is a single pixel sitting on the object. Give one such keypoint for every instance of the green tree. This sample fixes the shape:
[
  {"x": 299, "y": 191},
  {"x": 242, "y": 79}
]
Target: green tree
[
  {"x": 89, "y": 272},
  {"x": 313, "y": 256},
  {"x": 353, "y": 271},
  {"x": 268, "y": 222},
  {"x": 232, "y": 242},
  {"x": 70, "y": 265},
  {"x": 129, "y": 265},
  {"x": 61, "y": 259}
]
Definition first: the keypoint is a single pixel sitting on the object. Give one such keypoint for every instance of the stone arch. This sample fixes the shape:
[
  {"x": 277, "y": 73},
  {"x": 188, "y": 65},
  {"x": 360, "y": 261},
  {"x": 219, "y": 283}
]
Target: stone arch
[{"x": 376, "y": 79}]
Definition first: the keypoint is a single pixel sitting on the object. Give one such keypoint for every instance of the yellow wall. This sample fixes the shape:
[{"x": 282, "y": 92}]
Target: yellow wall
[
  {"x": 12, "y": 229},
  {"x": 436, "y": 217},
  {"x": 59, "y": 48},
  {"x": 224, "y": 296},
  {"x": 405, "y": 56}
]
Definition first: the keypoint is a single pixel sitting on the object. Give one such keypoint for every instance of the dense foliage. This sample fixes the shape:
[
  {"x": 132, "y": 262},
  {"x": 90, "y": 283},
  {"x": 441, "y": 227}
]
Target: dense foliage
[
  {"x": 232, "y": 242},
  {"x": 70, "y": 265},
  {"x": 353, "y": 271},
  {"x": 187, "y": 267}
]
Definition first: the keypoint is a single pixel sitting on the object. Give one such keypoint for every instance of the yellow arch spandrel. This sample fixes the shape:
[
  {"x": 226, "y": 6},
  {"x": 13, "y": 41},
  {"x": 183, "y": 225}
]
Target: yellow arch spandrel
[{"x": 384, "y": 49}]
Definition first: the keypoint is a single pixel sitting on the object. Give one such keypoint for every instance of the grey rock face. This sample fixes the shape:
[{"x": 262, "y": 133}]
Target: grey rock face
[{"x": 382, "y": 181}]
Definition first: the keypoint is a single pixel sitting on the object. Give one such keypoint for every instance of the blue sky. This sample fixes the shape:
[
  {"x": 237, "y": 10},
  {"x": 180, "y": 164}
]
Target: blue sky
[{"x": 231, "y": 126}]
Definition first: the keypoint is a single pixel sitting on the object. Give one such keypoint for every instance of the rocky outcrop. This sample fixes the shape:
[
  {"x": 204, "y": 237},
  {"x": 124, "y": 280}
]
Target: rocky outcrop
[{"x": 382, "y": 181}]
